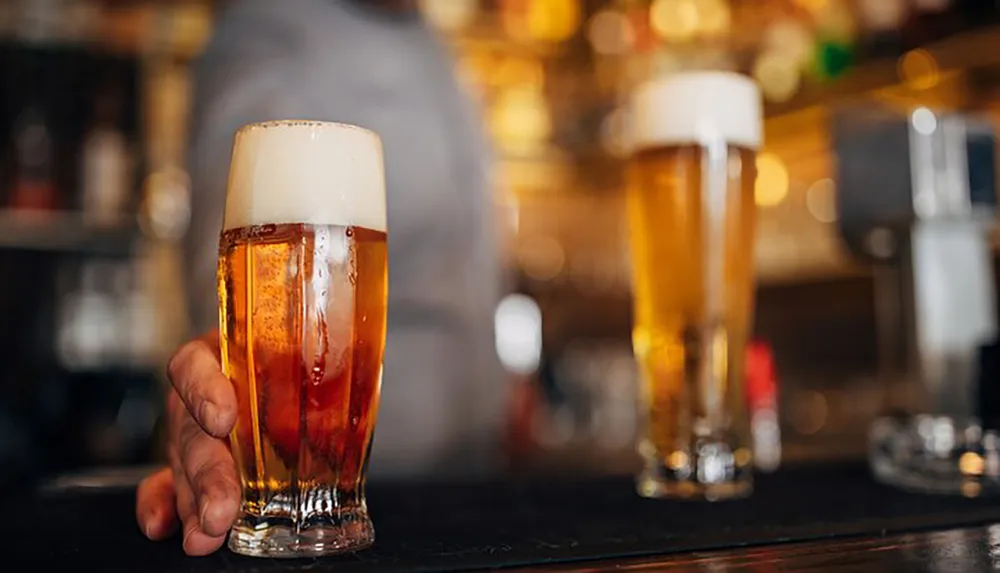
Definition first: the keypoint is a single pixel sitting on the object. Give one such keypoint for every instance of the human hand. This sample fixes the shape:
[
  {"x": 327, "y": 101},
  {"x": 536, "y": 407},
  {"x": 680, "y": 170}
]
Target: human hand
[{"x": 199, "y": 490}]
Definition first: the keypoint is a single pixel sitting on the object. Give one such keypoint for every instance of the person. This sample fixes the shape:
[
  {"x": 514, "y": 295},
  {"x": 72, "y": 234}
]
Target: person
[{"x": 373, "y": 63}]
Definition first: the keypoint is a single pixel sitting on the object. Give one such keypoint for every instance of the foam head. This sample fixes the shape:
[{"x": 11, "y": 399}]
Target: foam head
[
  {"x": 697, "y": 108},
  {"x": 309, "y": 172}
]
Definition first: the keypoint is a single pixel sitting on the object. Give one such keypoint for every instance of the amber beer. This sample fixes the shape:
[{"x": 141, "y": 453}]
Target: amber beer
[
  {"x": 691, "y": 224},
  {"x": 302, "y": 290}
]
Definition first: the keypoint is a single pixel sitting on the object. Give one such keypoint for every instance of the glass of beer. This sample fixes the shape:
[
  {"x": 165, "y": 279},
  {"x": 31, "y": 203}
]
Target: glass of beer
[
  {"x": 691, "y": 217},
  {"x": 302, "y": 290}
]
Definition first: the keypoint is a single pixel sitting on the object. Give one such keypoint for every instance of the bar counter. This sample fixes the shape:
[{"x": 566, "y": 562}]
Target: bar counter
[{"x": 818, "y": 518}]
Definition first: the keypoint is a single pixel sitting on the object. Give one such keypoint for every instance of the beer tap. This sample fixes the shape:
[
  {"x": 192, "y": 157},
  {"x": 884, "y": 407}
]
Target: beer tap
[{"x": 917, "y": 202}]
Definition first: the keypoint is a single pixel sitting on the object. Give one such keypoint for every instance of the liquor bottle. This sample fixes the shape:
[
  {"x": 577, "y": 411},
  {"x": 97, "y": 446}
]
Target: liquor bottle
[
  {"x": 105, "y": 163},
  {"x": 34, "y": 185}
]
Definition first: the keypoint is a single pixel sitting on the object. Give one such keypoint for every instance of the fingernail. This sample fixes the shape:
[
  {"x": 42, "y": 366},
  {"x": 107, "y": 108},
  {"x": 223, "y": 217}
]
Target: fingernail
[{"x": 147, "y": 526}]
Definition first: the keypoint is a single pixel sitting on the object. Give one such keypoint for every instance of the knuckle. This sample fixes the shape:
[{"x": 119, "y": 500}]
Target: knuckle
[
  {"x": 211, "y": 471},
  {"x": 189, "y": 436}
]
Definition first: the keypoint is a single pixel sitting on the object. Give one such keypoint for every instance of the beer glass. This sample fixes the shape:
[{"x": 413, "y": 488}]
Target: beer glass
[
  {"x": 691, "y": 218},
  {"x": 302, "y": 289}
]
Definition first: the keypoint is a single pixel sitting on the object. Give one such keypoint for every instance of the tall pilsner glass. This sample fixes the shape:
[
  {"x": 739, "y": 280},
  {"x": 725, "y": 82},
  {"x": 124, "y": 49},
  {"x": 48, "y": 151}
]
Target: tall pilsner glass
[
  {"x": 691, "y": 223},
  {"x": 302, "y": 291}
]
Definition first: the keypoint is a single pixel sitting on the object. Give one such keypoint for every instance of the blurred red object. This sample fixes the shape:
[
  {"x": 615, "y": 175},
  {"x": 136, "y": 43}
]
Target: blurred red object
[
  {"x": 525, "y": 403},
  {"x": 762, "y": 403},
  {"x": 761, "y": 378}
]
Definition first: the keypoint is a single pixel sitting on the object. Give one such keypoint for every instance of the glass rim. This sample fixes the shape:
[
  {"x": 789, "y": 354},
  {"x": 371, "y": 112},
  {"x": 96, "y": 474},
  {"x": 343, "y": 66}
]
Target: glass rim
[{"x": 302, "y": 123}]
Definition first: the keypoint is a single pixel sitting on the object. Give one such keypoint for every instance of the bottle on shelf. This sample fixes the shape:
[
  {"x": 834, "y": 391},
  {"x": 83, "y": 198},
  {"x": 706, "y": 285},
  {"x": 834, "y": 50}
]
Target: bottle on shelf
[
  {"x": 106, "y": 164},
  {"x": 34, "y": 186}
]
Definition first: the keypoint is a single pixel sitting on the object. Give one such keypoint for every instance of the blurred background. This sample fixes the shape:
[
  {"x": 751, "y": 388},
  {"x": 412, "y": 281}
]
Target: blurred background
[{"x": 94, "y": 194}]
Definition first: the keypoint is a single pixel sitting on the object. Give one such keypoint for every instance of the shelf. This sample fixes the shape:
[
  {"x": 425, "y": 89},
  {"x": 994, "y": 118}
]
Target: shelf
[{"x": 65, "y": 232}]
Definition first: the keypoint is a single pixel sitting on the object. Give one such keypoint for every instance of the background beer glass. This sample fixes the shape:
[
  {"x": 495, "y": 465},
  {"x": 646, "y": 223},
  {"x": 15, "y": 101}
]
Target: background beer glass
[
  {"x": 691, "y": 224},
  {"x": 302, "y": 290}
]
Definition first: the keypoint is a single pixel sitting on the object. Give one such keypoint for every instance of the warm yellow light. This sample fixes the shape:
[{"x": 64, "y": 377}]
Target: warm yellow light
[
  {"x": 674, "y": 20},
  {"x": 714, "y": 16},
  {"x": 520, "y": 118},
  {"x": 919, "y": 70},
  {"x": 772, "y": 180},
  {"x": 552, "y": 20},
  {"x": 474, "y": 68},
  {"x": 449, "y": 15},
  {"x": 778, "y": 74},
  {"x": 971, "y": 464},
  {"x": 812, "y": 5},
  {"x": 519, "y": 71},
  {"x": 835, "y": 18},
  {"x": 742, "y": 457},
  {"x": 791, "y": 38},
  {"x": 677, "y": 460},
  {"x": 191, "y": 25}
]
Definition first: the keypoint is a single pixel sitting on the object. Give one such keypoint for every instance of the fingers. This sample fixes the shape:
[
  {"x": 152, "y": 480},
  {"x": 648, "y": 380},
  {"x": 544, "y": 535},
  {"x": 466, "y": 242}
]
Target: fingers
[
  {"x": 196, "y": 542},
  {"x": 208, "y": 468},
  {"x": 201, "y": 484},
  {"x": 155, "y": 505},
  {"x": 196, "y": 375}
]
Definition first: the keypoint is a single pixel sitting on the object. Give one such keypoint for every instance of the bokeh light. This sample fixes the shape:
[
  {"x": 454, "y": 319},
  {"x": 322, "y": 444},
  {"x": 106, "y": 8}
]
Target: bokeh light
[
  {"x": 919, "y": 70},
  {"x": 821, "y": 200},
  {"x": 520, "y": 119},
  {"x": 674, "y": 20},
  {"x": 449, "y": 15},
  {"x": 541, "y": 258},
  {"x": 610, "y": 33},
  {"x": 772, "y": 180},
  {"x": 791, "y": 38},
  {"x": 520, "y": 72},
  {"x": 883, "y": 14},
  {"x": 836, "y": 20},
  {"x": 714, "y": 16},
  {"x": 615, "y": 132},
  {"x": 778, "y": 74},
  {"x": 552, "y": 20},
  {"x": 518, "y": 332}
]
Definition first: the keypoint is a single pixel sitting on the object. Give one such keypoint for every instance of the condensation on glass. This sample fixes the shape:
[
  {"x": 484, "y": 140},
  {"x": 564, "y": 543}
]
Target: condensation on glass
[{"x": 302, "y": 289}]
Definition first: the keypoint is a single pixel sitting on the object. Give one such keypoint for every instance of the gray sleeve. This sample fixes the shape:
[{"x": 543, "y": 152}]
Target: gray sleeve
[
  {"x": 239, "y": 81},
  {"x": 486, "y": 294}
]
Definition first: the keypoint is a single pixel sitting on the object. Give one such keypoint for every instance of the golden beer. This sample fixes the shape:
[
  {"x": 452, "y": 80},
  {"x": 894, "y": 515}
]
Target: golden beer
[
  {"x": 302, "y": 290},
  {"x": 691, "y": 218}
]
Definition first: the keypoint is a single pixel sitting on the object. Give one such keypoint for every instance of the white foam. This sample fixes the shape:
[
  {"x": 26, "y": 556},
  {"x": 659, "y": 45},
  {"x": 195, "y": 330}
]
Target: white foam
[
  {"x": 309, "y": 172},
  {"x": 697, "y": 107}
]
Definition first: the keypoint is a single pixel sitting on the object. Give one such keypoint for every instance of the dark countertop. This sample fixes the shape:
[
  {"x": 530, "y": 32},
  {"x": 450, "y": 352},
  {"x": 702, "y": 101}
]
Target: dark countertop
[
  {"x": 962, "y": 550},
  {"x": 565, "y": 525}
]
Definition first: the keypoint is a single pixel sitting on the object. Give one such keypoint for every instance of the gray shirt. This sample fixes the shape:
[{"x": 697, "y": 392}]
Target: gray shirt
[{"x": 442, "y": 396}]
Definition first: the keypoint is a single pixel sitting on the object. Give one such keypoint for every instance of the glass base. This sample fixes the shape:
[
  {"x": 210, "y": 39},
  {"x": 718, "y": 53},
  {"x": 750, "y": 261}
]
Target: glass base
[
  {"x": 713, "y": 473},
  {"x": 935, "y": 454},
  {"x": 350, "y": 531}
]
